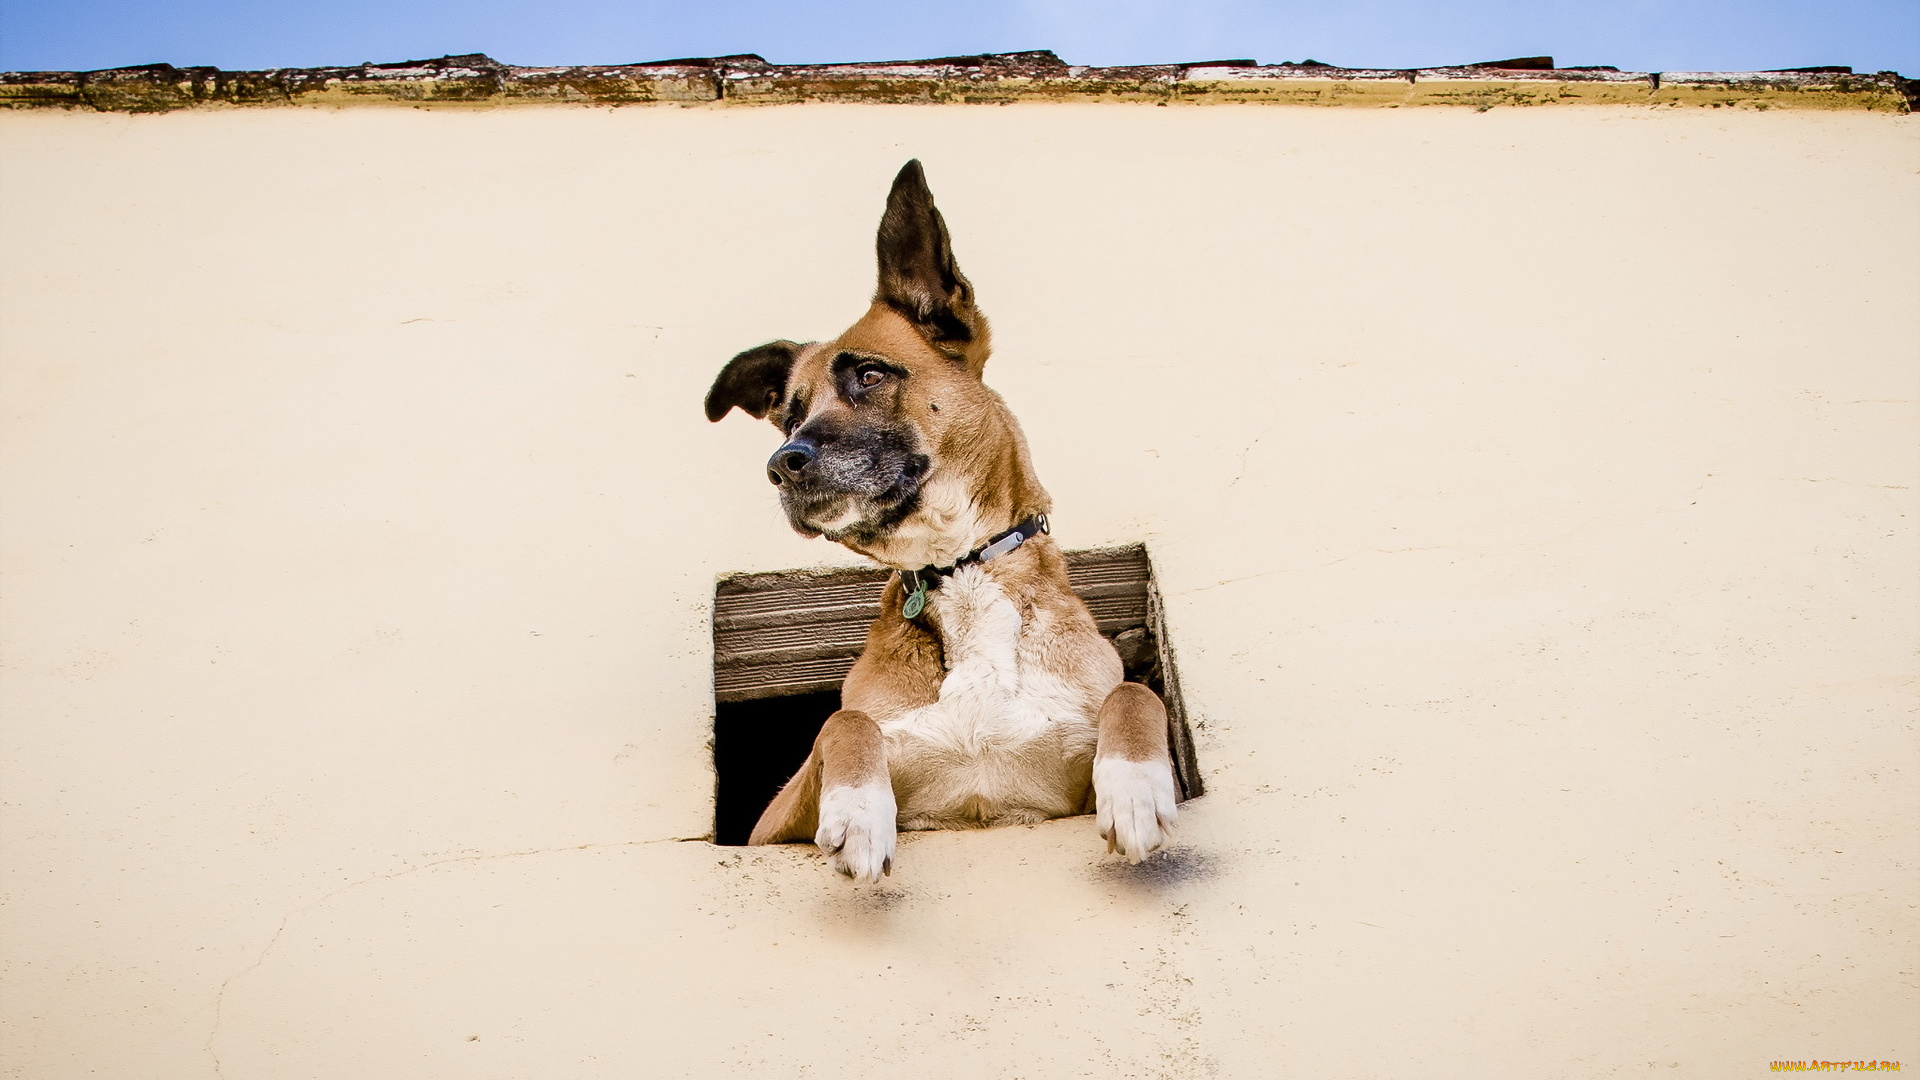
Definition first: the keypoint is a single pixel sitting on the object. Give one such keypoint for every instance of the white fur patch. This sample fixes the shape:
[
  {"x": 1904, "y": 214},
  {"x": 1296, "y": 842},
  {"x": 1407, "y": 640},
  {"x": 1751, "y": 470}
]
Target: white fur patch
[
  {"x": 946, "y": 526},
  {"x": 857, "y": 829},
  {"x": 1008, "y": 740},
  {"x": 849, "y": 515},
  {"x": 1136, "y": 804}
]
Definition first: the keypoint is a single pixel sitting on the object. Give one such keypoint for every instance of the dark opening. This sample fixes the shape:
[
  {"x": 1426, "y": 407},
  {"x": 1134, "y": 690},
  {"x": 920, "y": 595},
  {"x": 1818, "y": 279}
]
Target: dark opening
[
  {"x": 757, "y": 746},
  {"x": 783, "y": 642}
]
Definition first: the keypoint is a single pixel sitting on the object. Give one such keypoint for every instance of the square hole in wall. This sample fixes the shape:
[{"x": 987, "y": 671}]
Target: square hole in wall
[{"x": 782, "y": 642}]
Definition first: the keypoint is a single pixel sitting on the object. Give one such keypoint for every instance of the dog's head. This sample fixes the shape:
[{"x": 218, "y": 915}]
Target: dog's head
[{"x": 894, "y": 447}]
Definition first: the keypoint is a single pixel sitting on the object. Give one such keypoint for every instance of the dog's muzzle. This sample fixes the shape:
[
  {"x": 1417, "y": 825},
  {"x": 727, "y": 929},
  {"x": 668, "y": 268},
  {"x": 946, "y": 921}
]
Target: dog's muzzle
[{"x": 851, "y": 483}]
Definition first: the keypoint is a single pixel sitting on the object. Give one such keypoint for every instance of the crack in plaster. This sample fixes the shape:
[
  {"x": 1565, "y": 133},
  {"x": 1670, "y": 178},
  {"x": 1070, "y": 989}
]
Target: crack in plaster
[
  {"x": 220, "y": 996},
  {"x": 1837, "y": 480},
  {"x": 1248, "y": 449}
]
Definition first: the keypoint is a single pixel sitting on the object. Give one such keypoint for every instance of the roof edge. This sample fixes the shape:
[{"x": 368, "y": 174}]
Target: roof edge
[{"x": 475, "y": 79}]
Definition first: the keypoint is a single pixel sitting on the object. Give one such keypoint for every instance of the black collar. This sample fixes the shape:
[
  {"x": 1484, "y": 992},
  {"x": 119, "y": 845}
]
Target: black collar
[{"x": 919, "y": 582}]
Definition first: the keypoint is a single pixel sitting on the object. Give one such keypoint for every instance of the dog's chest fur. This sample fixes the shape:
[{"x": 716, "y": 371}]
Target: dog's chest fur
[{"x": 1011, "y": 737}]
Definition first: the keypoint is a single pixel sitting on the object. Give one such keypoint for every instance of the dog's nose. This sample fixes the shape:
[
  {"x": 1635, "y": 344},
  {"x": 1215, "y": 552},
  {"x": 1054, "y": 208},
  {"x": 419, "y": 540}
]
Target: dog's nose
[{"x": 790, "y": 461}]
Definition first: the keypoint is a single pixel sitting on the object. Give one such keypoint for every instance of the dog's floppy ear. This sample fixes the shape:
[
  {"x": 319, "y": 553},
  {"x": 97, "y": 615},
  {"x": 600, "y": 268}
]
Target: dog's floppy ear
[
  {"x": 918, "y": 277},
  {"x": 753, "y": 382}
]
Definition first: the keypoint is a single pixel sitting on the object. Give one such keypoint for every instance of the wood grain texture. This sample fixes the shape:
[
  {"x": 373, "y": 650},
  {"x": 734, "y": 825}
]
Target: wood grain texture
[{"x": 799, "y": 632}]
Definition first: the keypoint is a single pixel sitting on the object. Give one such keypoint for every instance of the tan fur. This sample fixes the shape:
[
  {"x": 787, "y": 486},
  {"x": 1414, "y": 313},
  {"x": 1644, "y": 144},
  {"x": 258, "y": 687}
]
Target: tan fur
[
  {"x": 850, "y": 750},
  {"x": 1133, "y": 724},
  {"x": 902, "y": 665}
]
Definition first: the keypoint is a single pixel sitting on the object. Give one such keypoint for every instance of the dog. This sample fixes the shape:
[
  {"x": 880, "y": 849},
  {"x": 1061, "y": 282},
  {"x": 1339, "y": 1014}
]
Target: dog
[{"x": 985, "y": 694}]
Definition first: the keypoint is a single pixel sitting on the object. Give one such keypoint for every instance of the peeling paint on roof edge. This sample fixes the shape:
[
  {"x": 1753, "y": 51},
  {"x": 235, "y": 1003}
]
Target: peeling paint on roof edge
[{"x": 476, "y": 80}]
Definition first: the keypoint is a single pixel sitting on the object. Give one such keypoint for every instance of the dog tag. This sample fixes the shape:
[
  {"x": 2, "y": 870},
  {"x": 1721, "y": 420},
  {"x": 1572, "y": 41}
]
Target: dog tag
[{"x": 916, "y": 600}]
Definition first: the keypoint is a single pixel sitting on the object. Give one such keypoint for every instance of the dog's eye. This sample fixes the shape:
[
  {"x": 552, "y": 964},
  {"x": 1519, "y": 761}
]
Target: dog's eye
[{"x": 870, "y": 377}]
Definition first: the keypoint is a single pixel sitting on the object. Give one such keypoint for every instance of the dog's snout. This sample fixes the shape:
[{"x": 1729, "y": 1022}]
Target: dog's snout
[{"x": 790, "y": 461}]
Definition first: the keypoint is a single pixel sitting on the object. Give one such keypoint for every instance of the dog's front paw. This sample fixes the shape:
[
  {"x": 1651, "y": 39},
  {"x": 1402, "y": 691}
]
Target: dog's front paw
[
  {"x": 1135, "y": 801},
  {"x": 857, "y": 830}
]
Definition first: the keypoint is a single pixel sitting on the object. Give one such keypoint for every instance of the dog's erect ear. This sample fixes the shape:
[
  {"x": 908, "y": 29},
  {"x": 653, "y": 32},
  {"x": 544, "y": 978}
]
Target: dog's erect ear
[
  {"x": 918, "y": 277},
  {"x": 753, "y": 382}
]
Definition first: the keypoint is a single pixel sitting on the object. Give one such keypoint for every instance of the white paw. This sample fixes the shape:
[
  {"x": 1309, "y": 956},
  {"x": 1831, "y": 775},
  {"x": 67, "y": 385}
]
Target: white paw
[
  {"x": 857, "y": 830},
  {"x": 1135, "y": 803}
]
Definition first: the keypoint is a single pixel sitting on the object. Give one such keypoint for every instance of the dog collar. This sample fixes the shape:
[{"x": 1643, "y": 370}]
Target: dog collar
[{"x": 927, "y": 578}]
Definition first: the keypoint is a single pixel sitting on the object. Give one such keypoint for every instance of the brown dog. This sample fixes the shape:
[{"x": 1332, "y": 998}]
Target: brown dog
[{"x": 985, "y": 696}]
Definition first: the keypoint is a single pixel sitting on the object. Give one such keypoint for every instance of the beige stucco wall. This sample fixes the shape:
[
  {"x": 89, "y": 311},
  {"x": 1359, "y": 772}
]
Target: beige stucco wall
[{"x": 1533, "y": 493}]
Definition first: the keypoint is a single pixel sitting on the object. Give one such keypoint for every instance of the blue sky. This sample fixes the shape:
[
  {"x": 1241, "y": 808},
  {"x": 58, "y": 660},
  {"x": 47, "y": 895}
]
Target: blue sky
[{"x": 1650, "y": 35}]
